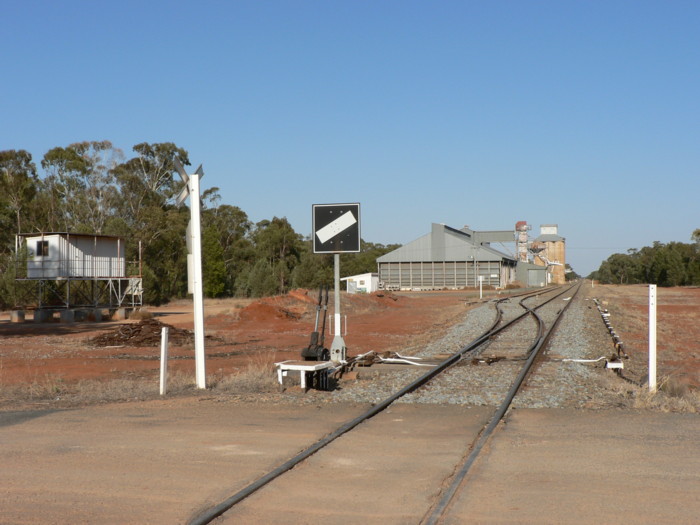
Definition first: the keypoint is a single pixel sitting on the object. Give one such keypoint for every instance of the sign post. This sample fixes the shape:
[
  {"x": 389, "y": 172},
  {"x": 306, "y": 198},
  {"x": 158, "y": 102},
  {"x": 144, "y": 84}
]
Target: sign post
[
  {"x": 194, "y": 270},
  {"x": 336, "y": 230}
]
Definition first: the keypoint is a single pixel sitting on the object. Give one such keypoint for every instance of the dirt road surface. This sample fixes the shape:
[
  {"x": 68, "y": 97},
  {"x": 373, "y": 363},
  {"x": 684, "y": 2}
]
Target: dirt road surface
[{"x": 163, "y": 461}]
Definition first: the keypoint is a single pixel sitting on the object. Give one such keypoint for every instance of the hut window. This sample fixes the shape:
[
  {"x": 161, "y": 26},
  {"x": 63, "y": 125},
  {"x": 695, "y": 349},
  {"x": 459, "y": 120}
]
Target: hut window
[{"x": 42, "y": 248}]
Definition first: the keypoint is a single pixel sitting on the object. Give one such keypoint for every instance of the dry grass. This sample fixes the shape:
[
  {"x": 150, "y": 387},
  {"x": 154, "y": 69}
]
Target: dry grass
[
  {"x": 670, "y": 396},
  {"x": 258, "y": 377},
  {"x": 53, "y": 390}
]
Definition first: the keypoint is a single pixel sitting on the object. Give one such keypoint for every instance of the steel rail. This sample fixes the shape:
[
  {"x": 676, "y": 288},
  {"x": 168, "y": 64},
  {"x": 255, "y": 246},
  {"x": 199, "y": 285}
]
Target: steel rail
[
  {"x": 438, "y": 510},
  {"x": 214, "y": 512}
]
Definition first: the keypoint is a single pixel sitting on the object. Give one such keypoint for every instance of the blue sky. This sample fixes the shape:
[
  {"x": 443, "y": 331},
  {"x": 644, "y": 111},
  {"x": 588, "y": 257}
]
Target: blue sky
[{"x": 581, "y": 114}]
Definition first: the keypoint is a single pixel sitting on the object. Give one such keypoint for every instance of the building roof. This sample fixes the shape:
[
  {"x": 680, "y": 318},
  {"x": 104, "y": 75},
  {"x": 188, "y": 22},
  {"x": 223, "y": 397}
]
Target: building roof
[
  {"x": 444, "y": 243},
  {"x": 367, "y": 275},
  {"x": 69, "y": 234},
  {"x": 549, "y": 237}
]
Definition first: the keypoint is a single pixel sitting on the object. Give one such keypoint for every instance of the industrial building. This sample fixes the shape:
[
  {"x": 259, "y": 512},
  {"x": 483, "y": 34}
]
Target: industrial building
[
  {"x": 549, "y": 250},
  {"x": 448, "y": 258}
]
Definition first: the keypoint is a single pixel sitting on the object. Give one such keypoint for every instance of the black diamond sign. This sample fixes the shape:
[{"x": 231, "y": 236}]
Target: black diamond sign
[{"x": 336, "y": 228}]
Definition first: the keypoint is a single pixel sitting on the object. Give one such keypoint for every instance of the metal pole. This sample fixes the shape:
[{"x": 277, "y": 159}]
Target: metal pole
[
  {"x": 197, "y": 289},
  {"x": 336, "y": 282},
  {"x": 652, "y": 338},
  {"x": 338, "y": 345}
]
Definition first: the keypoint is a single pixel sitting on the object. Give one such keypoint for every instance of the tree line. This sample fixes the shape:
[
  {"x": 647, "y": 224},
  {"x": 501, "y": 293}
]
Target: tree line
[
  {"x": 670, "y": 264},
  {"x": 91, "y": 187}
]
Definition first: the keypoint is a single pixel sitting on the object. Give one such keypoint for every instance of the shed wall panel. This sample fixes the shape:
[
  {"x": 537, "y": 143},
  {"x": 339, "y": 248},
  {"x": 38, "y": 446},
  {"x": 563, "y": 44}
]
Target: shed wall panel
[{"x": 75, "y": 257}]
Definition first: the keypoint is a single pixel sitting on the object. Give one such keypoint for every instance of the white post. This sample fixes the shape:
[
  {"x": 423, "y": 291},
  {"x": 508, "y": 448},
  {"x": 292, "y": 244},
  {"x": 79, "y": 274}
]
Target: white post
[
  {"x": 163, "y": 360},
  {"x": 652, "y": 338},
  {"x": 481, "y": 282},
  {"x": 197, "y": 291},
  {"x": 338, "y": 344}
]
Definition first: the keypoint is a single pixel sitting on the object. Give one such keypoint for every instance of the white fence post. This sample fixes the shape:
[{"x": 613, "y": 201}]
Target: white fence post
[{"x": 163, "y": 360}]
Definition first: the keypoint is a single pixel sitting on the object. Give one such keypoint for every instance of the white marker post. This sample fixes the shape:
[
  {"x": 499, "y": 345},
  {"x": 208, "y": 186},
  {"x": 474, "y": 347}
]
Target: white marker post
[
  {"x": 481, "y": 286},
  {"x": 163, "y": 360},
  {"x": 191, "y": 190},
  {"x": 652, "y": 338}
]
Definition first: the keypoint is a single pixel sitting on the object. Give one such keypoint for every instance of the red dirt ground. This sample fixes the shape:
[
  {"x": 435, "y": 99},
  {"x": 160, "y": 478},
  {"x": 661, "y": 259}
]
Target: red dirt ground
[
  {"x": 678, "y": 326},
  {"x": 238, "y": 332},
  {"x": 241, "y": 331}
]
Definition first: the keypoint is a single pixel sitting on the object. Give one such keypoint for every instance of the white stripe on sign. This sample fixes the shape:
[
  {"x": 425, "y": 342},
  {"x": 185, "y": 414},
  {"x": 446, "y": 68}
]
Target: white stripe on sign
[{"x": 332, "y": 229}]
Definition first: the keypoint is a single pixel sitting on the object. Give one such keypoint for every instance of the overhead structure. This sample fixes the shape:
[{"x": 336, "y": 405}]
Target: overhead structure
[
  {"x": 76, "y": 270},
  {"x": 448, "y": 258}
]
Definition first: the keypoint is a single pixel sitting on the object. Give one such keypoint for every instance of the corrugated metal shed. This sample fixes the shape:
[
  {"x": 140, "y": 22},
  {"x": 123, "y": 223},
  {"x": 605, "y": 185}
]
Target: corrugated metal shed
[
  {"x": 68, "y": 255},
  {"x": 445, "y": 258},
  {"x": 444, "y": 244}
]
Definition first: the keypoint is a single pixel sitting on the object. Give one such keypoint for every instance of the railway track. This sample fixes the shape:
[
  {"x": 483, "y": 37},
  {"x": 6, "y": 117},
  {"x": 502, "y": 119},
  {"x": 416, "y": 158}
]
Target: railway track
[{"x": 510, "y": 347}]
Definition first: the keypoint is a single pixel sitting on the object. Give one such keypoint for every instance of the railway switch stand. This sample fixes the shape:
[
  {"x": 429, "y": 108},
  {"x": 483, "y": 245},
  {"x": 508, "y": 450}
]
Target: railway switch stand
[{"x": 317, "y": 351}]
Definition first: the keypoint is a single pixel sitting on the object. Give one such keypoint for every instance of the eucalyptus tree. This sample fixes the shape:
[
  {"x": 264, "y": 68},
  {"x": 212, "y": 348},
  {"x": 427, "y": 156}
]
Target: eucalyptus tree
[
  {"x": 79, "y": 188},
  {"x": 18, "y": 186},
  {"x": 671, "y": 264},
  {"x": 314, "y": 269},
  {"x": 230, "y": 227},
  {"x": 146, "y": 180},
  {"x": 277, "y": 251},
  {"x": 215, "y": 279},
  {"x": 148, "y": 218}
]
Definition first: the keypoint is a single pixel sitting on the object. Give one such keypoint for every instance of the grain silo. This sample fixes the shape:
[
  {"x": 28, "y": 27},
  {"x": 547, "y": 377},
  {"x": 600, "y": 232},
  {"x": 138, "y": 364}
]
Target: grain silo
[{"x": 549, "y": 250}]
